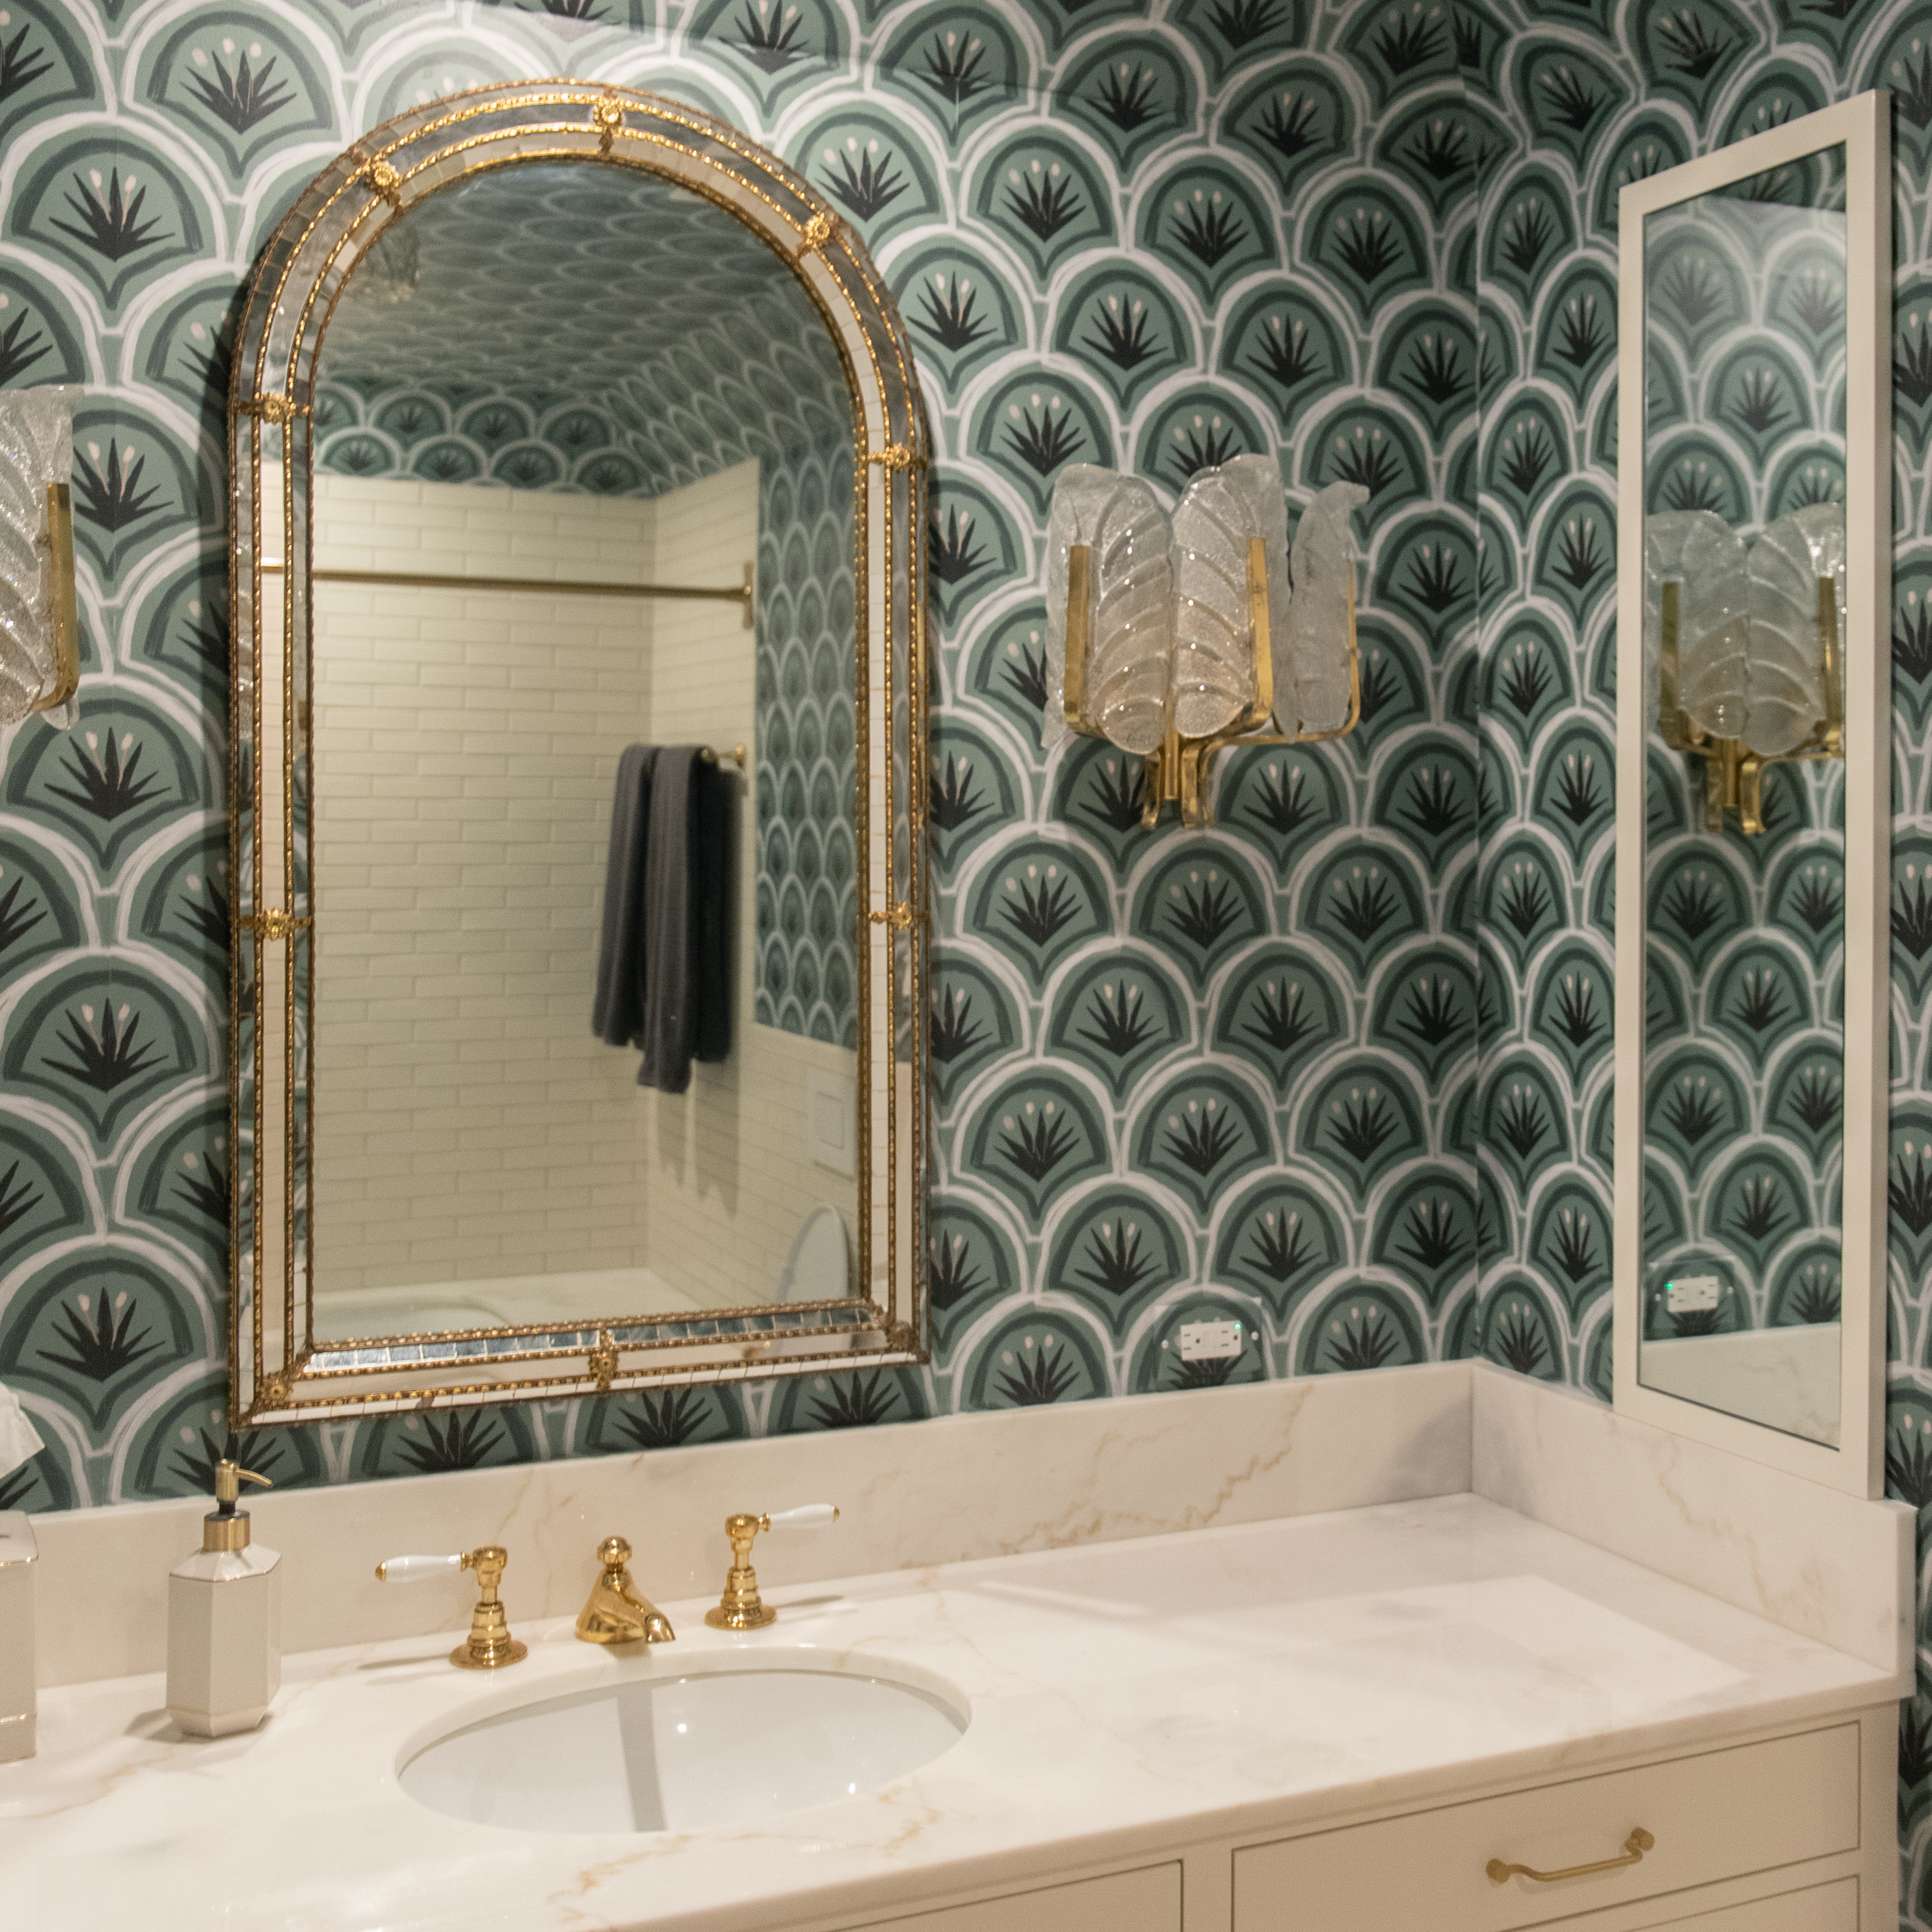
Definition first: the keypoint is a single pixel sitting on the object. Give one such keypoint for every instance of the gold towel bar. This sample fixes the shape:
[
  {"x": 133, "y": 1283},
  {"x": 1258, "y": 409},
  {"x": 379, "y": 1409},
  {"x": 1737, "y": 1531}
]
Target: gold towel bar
[{"x": 738, "y": 755}]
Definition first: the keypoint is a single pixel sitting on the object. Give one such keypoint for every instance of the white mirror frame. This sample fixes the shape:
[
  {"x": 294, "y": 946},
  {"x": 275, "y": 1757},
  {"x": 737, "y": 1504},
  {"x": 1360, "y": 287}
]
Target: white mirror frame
[{"x": 1862, "y": 127}]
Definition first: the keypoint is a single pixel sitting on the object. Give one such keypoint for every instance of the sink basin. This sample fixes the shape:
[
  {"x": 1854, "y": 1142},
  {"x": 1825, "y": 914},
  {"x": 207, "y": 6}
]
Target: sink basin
[{"x": 680, "y": 1754}]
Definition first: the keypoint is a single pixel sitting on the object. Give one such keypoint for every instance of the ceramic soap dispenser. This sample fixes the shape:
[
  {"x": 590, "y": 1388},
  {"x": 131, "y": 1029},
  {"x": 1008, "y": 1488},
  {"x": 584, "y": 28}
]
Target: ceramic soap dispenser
[{"x": 224, "y": 1621}]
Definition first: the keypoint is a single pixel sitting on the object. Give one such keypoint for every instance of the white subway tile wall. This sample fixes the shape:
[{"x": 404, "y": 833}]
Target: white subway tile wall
[{"x": 469, "y": 1127}]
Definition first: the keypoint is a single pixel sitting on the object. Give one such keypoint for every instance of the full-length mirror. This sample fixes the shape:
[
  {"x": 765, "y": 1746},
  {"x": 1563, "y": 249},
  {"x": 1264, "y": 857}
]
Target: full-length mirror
[
  {"x": 574, "y": 791},
  {"x": 1752, "y": 680}
]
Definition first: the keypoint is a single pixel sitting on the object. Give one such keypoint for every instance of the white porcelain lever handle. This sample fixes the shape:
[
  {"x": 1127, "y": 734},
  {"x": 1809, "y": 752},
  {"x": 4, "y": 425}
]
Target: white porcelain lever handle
[
  {"x": 807, "y": 1516},
  {"x": 414, "y": 1569}
]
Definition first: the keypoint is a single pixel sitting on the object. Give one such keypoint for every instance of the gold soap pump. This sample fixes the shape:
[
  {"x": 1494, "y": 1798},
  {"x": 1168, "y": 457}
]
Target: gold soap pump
[{"x": 225, "y": 1620}]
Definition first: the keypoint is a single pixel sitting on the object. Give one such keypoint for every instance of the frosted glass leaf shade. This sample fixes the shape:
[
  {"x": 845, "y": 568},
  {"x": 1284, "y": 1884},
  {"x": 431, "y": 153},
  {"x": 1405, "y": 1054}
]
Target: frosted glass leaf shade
[
  {"x": 1224, "y": 510},
  {"x": 1314, "y": 650},
  {"x": 1789, "y": 665},
  {"x": 1700, "y": 553},
  {"x": 1122, "y": 683},
  {"x": 38, "y": 652}
]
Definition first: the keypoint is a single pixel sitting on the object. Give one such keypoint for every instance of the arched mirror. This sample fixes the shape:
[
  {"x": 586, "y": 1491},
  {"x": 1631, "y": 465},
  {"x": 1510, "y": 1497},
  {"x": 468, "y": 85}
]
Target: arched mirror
[{"x": 578, "y": 717}]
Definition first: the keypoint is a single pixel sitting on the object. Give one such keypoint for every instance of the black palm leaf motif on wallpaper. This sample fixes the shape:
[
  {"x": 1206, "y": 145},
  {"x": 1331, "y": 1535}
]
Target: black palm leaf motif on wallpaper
[
  {"x": 953, "y": 1031},
  {"x": 1527, "y": 231},
  {"x": 1279, "y": 1018},
  {"x": 1567, "y": 97},
  {"x": 111, "y": 497},
  {"x": 666, "y": 1420},
  {"x": 1911, "y": 912},
  {"x": 1204, "y": 443},
  {"x": 1025, "y": 674},
  {"x": 1211, "y": 1372},
  {"x": 768, "y": 35},
  {"x": 1039, "y": 1376},
  {"x": 1116, "y": 1262},
  {"x": 18, "y": 1485},
  {"x": 246, "y": 96},
  {"x": 1582, "y": 330},
  {"x": 1042, "y": 905},
  {"x": 106, "y": 1056},
  {"x": 21, "y": 347},
  {"x": 465, "y": 1439},
  {"x": 1432, "y": 1014},
  {"x": 1037, "y": 1139},
  {"x": 1519, "y": 1341},
  {"x": 1575, "y": 1015},
  {"x": 109, "y": 785},
  {"x": 1281, "y": 801},
  {"x": 864, "y": 179},
  {"x": 1126, "y": 97},
  {"x": 1043, "y": 434},
  {"x": 1432, "y": 1236},
  {"x": 1365, "y": 245},
  {"x": 1280, "y": 1247},
  {"x": 205, "y": 912},
  {"x": 1692, "y": 46},
  {"x": 1203, "y": 909},
  {"x": 1521, "y": 1121},
  {"x": 18, "y": 916},
  {"x": 1912, "y": 365},
  {"x": 1202, "y": 1135},
  {"x": 952, "y": 553},
  {"x": 1114, "y": 793},
  {"x": 1120, "y": 332},
  {"x": 953, "y": 1275},
  {"x": 99, "y": 1338},
  {"x": 1573, "y": 1249},
  {"x": 1524, "y": 898},
  {"x": 204, "y": 1187},
  {"x": 856, "y": 1402},
  {"x": 1286, "y": 353},
  {"x": 1365, "y": 1340},
  {"x": 952, "y": 317},
  {"x": 1410, "y": 39},
  {"x": 1908, "y": 1188},
  {"x": 1116, "y": 1023},
  {"x": 1816, "y": 900},
  {"x": 1434, "y": 578},
  {"x": 1364, "y": 902},
  {"x": 1239, "y": 21},
  {"x": 18, "y": 1197},
  {"x": 954, "y": 800},
  {"x": 952, "y": 67},
  {"x": 1817, "y": 1099},
  {"x": 1363, "y": 1124},
  {"x": 1044, "y": 200},
  {"x": 20, "y": 64},
  {"x": 111, "y": 226}
]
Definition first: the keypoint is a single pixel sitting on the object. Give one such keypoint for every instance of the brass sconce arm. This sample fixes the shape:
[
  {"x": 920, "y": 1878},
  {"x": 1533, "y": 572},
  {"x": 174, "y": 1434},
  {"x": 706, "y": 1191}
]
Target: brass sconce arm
[{"x": 62, "y": 607}]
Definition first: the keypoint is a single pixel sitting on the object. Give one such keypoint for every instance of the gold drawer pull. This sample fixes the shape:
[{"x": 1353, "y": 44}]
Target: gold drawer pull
[{"x": 1639, "y": 1842}]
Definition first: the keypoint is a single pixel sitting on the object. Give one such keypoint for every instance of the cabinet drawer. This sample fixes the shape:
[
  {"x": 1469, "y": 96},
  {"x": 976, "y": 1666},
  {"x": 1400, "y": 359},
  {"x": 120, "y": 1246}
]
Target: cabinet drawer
[
  {"x": 1717, "y": 1816},
  {"x": 1147, "y": 1901},
  {"x": 1819, "y": 1908}
]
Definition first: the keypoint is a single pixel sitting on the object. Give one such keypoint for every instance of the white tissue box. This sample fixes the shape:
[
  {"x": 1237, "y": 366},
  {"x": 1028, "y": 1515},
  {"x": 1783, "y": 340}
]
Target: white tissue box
[{"x": 18, "y": 1565}]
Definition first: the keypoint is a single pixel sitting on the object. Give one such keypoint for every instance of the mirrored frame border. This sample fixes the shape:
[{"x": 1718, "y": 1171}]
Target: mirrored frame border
[
  {"x": 1862, "y": 127},
  {"x": 278, "y": 1374}
]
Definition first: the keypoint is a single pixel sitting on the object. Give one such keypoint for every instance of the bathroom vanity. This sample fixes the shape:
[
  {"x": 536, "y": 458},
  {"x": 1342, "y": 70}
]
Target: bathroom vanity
[{"x": 1323, "y": 1682}]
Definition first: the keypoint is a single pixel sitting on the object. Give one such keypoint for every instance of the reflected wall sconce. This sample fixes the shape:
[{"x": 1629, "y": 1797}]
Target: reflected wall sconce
[
  {"x": 1742, "y": 652},
  {"x": 39, "y": 630},
  {"x": 1171, "y": 637}
]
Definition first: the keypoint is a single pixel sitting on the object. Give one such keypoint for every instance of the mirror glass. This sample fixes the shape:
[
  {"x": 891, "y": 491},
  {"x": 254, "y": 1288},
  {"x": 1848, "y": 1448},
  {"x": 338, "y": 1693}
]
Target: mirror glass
[
  {"x": 1745, "y": 586},
  {"x": 584, "y": 866}
]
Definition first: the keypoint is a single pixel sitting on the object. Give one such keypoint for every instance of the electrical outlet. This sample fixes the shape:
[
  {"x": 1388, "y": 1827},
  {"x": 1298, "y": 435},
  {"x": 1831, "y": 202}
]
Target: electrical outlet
[
  {"x": 1206, "y": 1341},
  {"x": 1693, "y": 1295}
]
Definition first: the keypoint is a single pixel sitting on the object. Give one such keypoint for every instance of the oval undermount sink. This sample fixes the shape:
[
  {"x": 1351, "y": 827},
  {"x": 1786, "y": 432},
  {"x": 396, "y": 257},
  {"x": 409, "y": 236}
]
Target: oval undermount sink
[{"x": 681, "y": 1753}]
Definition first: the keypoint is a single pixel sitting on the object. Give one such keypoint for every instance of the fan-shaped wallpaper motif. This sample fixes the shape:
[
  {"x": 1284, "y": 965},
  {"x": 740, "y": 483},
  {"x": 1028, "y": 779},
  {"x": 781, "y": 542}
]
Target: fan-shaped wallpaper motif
[{"x": 1339, "y": 1068}]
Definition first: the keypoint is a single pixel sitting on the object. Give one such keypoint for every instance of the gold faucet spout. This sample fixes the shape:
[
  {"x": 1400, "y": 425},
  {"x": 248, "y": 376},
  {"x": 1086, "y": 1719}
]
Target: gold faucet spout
[{"x": 616, "y": 1613}]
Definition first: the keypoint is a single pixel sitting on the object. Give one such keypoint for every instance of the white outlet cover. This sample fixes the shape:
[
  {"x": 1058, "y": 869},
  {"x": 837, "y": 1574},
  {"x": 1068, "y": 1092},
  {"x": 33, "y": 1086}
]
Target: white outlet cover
[
  {"x": 1692, "y": 1294},
  {"x": 1208, "y": 1341}
]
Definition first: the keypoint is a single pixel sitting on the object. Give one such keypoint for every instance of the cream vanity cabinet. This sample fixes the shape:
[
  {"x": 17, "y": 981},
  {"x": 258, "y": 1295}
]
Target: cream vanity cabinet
[{"x": 1786, "y": 1831}]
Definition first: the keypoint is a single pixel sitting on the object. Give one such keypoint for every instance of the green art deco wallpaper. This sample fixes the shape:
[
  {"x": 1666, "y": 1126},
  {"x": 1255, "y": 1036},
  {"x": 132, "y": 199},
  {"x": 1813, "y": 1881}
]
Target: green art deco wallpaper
[{"x": 1341, "y": 1068}]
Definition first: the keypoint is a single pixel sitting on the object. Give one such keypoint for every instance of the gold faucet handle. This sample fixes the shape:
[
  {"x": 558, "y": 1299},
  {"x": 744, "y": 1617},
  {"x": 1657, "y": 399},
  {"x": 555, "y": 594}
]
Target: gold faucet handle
[
  {"x": 741, "y": 1608},
  {"x": 490, "y": 1645}
]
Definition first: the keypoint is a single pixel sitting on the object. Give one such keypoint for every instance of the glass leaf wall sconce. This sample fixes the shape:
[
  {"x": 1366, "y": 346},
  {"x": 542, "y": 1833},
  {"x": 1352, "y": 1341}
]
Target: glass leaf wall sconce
[
  {"x": 1171, "y": 637},
  {"x": 40, "y": 631},
  {"x": 1743, "y": 660}
]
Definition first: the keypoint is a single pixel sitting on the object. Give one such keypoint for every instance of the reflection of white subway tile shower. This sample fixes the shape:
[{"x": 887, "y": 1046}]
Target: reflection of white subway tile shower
[{"x": 470, "y": 1128}]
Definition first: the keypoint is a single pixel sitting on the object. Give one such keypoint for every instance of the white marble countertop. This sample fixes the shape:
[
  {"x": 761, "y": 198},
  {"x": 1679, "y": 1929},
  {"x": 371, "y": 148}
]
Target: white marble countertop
[{"x": 1125, "y": 1697}]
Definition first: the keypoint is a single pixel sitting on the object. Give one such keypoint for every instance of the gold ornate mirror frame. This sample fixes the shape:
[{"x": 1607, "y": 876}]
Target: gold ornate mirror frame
[{"x": 279, "y": 1373}]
